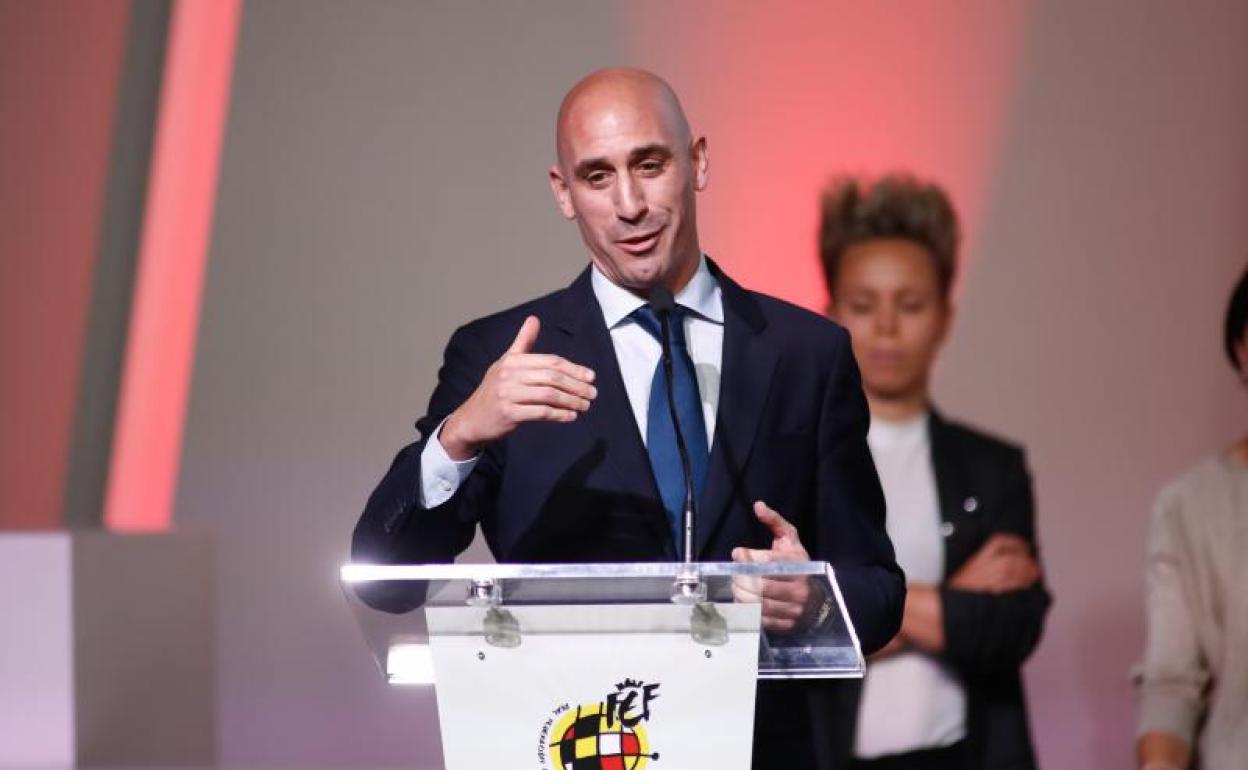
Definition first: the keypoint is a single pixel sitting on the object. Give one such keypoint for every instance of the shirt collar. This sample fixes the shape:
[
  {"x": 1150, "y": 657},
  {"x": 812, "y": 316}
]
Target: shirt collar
[{"x": 701, "y": 295}]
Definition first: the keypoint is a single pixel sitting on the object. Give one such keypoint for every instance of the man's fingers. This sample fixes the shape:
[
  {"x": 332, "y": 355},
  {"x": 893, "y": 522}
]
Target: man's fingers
[
  {"x": 527, "y": 336},
  {"x": 785, "y": 589},
  {"x": 555, "y": 378},
  {"x": 778, "y": 626},
  {"x": 781, "y": 610},
  {"x": 519, "y": 362},
  {"x": 539, "y": 412},
  {"x": 779, "y": 526},
  {"x": 781, "y": 616},
  {"x": 747, "y": 589},
  {"x": 520, "y": 354},
  {"x": 752, "y": 556},
  {"x": 548, "y": 396}
]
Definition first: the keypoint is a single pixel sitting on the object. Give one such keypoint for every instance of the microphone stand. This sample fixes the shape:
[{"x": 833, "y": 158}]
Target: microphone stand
[{"x": 688, "y": 588}]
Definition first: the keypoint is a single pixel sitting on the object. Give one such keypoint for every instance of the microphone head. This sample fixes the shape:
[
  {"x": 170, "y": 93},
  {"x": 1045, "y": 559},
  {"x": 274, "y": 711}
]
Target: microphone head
[{"x": 661, "y": 300}]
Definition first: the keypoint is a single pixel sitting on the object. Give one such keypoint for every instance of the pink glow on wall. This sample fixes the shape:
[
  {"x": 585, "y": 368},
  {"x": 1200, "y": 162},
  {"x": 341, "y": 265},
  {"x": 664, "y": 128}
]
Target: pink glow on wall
[
  {"x": 789, "y": 99},
  {"x": 172, "y": 259},
  {"x": 60, "y": 63}
]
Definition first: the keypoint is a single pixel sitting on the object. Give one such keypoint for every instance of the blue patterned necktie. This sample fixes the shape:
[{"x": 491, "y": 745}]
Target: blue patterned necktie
[{"x": 661, "y": 434}]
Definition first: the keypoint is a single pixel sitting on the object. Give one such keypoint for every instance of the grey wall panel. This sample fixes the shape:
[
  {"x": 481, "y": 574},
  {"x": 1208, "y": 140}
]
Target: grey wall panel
[{"x": 144, "y": 649}]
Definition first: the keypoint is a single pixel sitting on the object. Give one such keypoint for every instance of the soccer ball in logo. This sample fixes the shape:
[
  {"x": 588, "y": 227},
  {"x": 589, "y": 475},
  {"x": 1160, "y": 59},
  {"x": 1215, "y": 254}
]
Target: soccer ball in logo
[{"x": 582, "y": 740}]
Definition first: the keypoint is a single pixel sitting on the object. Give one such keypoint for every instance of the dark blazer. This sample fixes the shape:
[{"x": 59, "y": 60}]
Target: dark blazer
[
  {"x": 984, "y": 488},
  {"x": 791, "y": 430}
]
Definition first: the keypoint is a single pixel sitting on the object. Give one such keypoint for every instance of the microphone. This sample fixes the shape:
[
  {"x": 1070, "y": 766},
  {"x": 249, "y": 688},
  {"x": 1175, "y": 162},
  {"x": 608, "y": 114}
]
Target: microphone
[{"x": 664, "y": 304}]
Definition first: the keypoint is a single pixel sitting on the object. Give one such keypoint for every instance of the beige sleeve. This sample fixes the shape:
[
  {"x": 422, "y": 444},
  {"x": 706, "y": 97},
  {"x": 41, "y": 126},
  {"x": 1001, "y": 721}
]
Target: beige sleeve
[{"x": 1172, "y": 680}]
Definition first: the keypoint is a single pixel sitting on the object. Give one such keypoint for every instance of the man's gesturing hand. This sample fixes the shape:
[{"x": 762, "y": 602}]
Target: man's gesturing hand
[
  {"x": 786, "y": 601},
  {"x": 522, "y": 386}
]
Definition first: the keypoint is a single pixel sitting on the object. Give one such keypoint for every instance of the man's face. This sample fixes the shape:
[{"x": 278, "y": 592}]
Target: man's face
[
  {"x": 627, "y": 174},
  {"x": 888, "y": 296}
]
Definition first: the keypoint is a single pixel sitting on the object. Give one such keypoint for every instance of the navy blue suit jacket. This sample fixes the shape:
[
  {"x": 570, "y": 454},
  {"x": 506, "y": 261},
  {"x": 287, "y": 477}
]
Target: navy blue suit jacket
[{"x": 791, "y": 431}]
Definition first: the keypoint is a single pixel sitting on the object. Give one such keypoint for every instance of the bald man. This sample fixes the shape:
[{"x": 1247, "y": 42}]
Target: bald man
[{"x": 549, "y": 431}]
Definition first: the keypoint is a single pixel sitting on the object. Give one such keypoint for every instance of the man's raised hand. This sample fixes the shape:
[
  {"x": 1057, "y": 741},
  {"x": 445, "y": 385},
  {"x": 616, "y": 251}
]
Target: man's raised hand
[
  {"x": 786, "y": 601},
  {"x": 521, "y": 386}
]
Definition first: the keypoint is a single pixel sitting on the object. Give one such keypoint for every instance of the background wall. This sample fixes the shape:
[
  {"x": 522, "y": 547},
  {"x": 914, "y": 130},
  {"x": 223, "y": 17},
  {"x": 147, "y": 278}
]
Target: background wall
[
  {"x": 383, "y": 180},
  {"x": 59, "y": 79},
  {"x": 1091, "y": 319}
]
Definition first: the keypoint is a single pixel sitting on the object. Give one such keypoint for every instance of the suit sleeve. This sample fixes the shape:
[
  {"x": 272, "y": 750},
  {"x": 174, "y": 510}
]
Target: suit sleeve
[
  {"x": 394, "y": 528},
  {"x": 850, "y": 531},
  {"x": 988, "y": 634}
]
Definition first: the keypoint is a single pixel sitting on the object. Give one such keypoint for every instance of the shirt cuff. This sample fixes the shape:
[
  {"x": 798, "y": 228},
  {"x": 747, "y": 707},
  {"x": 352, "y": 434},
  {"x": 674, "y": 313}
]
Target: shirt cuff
[
  {"x": 1168, "y": 712},
  {"x": 440, "y": 476}
]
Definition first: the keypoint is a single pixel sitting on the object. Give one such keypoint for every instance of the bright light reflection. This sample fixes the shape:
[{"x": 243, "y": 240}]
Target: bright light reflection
[{"x": 409, "y": 664}]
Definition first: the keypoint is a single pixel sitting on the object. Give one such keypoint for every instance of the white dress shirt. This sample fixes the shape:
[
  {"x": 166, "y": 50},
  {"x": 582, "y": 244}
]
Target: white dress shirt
[
  {"x": 910, "y": 700},
  {"x": 637, "y": 353}
]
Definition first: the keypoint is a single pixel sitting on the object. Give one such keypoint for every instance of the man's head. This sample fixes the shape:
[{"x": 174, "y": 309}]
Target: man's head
[
  {"x": 889, "y": 253},
  {"x": 628, "y": 168}
]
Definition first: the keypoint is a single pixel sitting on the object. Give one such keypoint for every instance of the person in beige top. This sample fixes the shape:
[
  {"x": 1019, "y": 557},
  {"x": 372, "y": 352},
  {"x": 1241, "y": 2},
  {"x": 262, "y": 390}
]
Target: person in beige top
[{"x": 1193, "y": 682}]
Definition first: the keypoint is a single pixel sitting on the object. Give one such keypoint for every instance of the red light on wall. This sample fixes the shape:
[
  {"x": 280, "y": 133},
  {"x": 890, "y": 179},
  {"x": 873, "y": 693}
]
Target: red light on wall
[
  {"x": 790, "y": 94},
  {"x": 173, "y": 252}
]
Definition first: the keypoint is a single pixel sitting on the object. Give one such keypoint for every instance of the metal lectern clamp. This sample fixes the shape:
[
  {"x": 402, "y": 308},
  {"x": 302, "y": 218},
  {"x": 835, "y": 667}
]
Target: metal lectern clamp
[
  {"x": 484, "y": 592},
  {"x": 689, "y": 588},
  {"x": 499, "y": 627}
]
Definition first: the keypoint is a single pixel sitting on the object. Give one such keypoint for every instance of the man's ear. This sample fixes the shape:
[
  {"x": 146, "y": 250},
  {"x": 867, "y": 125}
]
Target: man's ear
[
  {"x": 701, "y": 162},
  {"x": 563, "y": 195}
]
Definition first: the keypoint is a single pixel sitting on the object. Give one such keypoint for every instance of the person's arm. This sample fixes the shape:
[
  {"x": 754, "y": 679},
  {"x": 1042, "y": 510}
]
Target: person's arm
[
  {"x": 1173, "y": 678},
  {"x": 991, "y": 631},
  {"x": 1002, "y": 564},
  {"x": 441, "y": 476},
  {"x": 849, "y": 528},
  {"x": 848, "y": 533},
  {"x": 922, "y": 623},
  {"x": 396, "y": 527},
  {"x": 412, "y": 515},
  {"x": 1157, "y": 750}
]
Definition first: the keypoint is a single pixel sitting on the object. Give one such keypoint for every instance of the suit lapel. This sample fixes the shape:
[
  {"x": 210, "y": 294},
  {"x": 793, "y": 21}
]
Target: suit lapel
[
  {"x": 953, "y": 490},
  {"x": 746, "y": 373},
  {"x": 610, "y": 417}
]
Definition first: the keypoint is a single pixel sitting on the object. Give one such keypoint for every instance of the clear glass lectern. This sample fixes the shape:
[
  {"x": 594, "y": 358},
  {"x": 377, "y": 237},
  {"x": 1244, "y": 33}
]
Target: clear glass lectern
[
  {"x": 575, "y": 666},
  {"x": 391, "y": 603}
]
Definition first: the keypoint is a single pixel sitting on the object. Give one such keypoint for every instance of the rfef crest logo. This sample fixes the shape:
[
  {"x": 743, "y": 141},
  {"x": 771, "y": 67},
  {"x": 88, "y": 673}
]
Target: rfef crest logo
[{"x": 611, "y": 734}]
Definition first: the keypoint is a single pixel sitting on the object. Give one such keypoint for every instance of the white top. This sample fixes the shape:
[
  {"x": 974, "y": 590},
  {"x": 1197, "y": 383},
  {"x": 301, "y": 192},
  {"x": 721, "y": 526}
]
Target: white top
[
  {"x": 910, "y": 700},
  {"x": 638, "y": 354}
]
